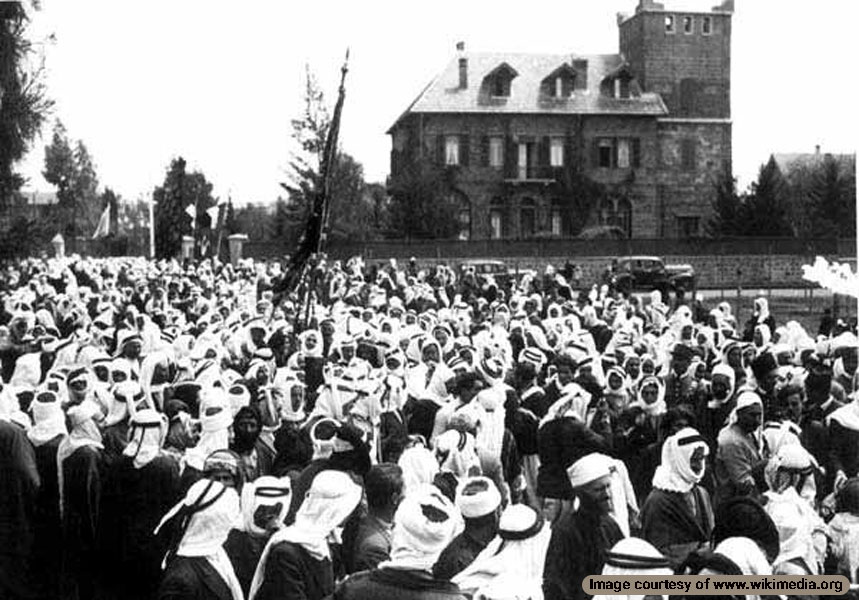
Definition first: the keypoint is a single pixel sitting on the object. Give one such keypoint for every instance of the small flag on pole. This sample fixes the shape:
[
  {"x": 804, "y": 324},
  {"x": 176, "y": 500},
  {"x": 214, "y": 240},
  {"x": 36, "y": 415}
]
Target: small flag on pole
[
  {"x": 213, "y": 215},
  {"x": 191, "y": 209},
  {"x": 103, "y": 227}
]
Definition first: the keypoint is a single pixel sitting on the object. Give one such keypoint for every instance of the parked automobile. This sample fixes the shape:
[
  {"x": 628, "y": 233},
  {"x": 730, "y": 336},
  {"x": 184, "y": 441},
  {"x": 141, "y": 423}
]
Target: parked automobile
[
  {"x": 637, "y": 273},
  {"x": 500, "y": 272}
]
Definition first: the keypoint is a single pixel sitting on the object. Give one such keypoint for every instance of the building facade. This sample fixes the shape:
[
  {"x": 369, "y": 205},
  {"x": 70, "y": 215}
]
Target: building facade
[{"x": 525, "y": 139}]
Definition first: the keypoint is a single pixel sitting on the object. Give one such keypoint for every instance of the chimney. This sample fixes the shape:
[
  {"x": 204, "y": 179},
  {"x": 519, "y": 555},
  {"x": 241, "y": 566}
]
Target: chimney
[
  {"x": 580, "y": 66},
  {"x": 817, "y": 149},
  {"x": 463, "y": 66}
]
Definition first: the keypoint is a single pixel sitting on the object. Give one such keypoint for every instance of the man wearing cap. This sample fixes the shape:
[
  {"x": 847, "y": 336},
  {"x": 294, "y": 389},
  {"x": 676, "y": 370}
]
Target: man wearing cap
[
  {"x": 581, "y": 538},
  {"x": 479, "y": 501}
]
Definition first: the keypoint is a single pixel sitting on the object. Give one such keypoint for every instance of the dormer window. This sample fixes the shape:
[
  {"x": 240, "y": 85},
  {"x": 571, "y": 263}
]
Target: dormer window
[
  {"x": 559, "y": 83},
  {"x": 619, "y": 83},
  {"x": 499, "y": 80}
]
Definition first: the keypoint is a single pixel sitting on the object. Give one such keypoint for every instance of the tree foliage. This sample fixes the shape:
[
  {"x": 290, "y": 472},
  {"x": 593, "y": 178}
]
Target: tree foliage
[
  {"x": 580, "y": 196},
  {"x": 350, "y": 213},
  {"x": 728, "y": 208},
  {"x": 179, "y": 191},
  {"x": 766, "y": 213},
  {"x": 832, "y": 198},
  {"x": 70, "y": 168},
  {"x": 24, "y": 102},
  {"x": 422, "y": 205}
]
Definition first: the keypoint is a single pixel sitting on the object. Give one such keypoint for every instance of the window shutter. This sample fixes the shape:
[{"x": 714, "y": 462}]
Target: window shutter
[
  {"x": 636, "y": 153},
  {"x": 614, "y": 153},
  {"x": 510, "y": 157},
  {"x": 484, "y": 144},
  {"x": 545, "y": 148},
  {"x": 464, "y": 150},
  {"x": 439, "y": 149},
  {"x": 595, "y": 153},
  {"x": 568, "y": 151}
]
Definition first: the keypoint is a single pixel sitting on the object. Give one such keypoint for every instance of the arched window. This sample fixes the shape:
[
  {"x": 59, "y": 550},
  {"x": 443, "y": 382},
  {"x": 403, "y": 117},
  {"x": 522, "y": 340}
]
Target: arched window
[
  {"x": 527, "y": 218},
  {"x": 496, "y": 219},
  {"x": 616, "y": 212},
  {"x": 463, "y": 214}
]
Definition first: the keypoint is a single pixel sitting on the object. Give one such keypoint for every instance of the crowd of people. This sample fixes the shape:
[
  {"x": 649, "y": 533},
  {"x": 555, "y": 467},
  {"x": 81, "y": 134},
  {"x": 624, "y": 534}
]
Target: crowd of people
[{"x": 189, "y": 431}]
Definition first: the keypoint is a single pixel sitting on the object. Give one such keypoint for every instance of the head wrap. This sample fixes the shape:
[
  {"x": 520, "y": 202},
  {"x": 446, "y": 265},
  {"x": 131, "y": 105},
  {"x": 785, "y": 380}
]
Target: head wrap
[
  {"x": 477, "y": 497},
  {"x": 746, "y": 554},
  {"x": 49, "y": 421},
  {"x": 511, "y": 565},
  {"x": 656, "y": 408},
  {"x": 203, "y": 522},
  {"x": 83, "y": 432},
  {"x": 746, "y": 399},
  {"x": 456, "y": 453},
  {"x": 265, "y": 502},
  {"x": 590, "y": 468},
  {"x": 331, "y": 499},
  {"x": 146, "y": 437},
  {"x": 675, "y": 474},
  {"x": 633, "y": 556},
  {"x": 419, "y": 467},
  {"x": 424, "y": 524}
]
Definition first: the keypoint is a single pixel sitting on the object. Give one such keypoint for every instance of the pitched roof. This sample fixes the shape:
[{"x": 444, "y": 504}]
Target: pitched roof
[{"x": 443, "y": 94}]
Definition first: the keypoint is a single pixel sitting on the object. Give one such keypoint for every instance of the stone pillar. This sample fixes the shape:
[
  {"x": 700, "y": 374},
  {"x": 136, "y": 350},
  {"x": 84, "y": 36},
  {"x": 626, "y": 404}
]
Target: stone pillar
[
  {"x": 187, "y": 247},
  {"x": 236, "y": 241},
  {"x": 59, "y": 245}
]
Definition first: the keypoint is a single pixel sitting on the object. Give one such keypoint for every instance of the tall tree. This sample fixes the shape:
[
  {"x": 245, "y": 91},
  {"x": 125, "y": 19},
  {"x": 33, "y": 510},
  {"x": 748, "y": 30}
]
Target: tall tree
[
  {"x": 179, "y": 191},
  {"x": 69, "y": 166},
  {"x": 728, "y": 208},
  {"x": 349, "y": 212},
  {"x": 832, "y": 199},
  {"x": 766, "y": 213},
  {"x": 422, "y": 205},
  {"x": 24, "y": 102}
]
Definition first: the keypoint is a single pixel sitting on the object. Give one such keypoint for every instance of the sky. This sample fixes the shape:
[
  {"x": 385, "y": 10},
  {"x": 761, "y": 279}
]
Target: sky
[{"x": 218, "y": 82}]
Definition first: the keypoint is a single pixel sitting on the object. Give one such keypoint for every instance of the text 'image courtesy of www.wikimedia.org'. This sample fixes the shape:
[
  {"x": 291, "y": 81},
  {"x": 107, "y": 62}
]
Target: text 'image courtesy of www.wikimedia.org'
[{"x": 717, "y": 585}]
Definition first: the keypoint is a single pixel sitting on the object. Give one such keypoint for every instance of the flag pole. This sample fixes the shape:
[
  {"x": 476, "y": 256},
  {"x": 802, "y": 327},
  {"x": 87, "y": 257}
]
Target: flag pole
[{"x": 151, "y": 205}]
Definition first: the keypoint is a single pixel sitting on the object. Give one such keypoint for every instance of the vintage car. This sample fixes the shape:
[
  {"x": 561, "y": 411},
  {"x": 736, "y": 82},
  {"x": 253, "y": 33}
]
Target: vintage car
[
  {"x": 498, "y": 270},
  {"x": 637, "y": 273}
]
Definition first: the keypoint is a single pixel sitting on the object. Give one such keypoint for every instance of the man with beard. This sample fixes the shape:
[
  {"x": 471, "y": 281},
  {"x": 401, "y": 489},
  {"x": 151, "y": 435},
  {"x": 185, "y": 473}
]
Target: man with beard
[
  {"x": 256, "y": 458},
  {"x": 740, "y": 458},
  {"x": 139, "y": 489},
  {"x": 581, "y": 539}
]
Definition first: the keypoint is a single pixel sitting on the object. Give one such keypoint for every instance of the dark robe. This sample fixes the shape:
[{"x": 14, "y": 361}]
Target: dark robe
[
  {"x": 193, "y": 578},
  {"x": 83, "y": 474},
  {"x": 844, "y": 449},
  {"x": 244, "y": 550},
  {"x": 397, "y": 584},
  {"x": 47, "y": 554},
  {"x": 134, "y": 501},
  {"x": 578, "y": 547},
  {"x": 461, "y": 552},
  {"x": 19, "y": 488},
  {"x": 293, "y": 449},
  {"x": 668, "y": 523},
  {"x": 291, "y": 573},
  {"x": 561, "y": 442}
]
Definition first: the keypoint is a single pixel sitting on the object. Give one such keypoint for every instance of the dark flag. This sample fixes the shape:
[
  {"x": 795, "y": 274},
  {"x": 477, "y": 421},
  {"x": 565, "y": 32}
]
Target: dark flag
[{"x": 314, "y": 233}]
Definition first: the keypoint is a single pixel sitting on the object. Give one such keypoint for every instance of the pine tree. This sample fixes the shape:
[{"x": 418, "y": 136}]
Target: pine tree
[
  {"x": 179, "y": 191},
  {"x": 728, "y": 207},
  {"x": 24, "y": 103},
  {"x": 832, "y": 200},
  {"x": 765, "y": 214}
]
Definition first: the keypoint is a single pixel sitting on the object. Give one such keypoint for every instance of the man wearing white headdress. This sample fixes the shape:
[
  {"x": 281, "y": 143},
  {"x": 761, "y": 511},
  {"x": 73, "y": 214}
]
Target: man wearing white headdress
[
  {"x": 198, "y": 567},
  {"x": 741, "y": 455},
  {"x": 141, "y": 486},
  {"x": 582, "y": 537},
  {"x": 424, "y": 524},
  {"x": 264, "y": 503},
  {"x": 633, "y": 556},
  {"x": 296, "y": 562},
  {"x": 511, "y": 566},
  {"x": 677, "y": 516}
]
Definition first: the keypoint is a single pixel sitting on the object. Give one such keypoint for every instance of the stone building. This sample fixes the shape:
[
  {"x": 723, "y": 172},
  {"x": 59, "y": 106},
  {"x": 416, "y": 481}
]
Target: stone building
[{"x": 517, "y": 134}]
